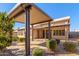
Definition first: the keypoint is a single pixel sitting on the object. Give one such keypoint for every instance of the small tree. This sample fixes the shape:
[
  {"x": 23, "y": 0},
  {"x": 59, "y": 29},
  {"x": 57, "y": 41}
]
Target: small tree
[
  {"x": 6, "y": 24},
  {"x": 6, "y": 28},
  {"x": 4, "y": 42}
]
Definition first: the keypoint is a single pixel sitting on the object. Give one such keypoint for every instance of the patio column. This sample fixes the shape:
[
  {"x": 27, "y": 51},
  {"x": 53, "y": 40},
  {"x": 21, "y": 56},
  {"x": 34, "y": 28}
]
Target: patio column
[
  {"x": 49, "y": 33},
  {"x": 66, "y": 33},
  {"x": 45, "y": 33},
  {"x": 32, "y": 32},
  {"x": 27, "y": 30}
]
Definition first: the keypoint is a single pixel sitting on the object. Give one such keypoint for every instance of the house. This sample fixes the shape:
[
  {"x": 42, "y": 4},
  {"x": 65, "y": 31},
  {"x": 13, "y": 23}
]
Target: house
[
  {"x": 42, "y": 25},
  {"x": 30, "y": 14},
  {"x": 60, "y": 29}
]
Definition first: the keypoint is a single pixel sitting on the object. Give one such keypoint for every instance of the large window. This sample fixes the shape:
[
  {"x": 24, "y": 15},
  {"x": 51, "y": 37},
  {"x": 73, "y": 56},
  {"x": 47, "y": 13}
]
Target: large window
[{"x": 58, "y": 32}]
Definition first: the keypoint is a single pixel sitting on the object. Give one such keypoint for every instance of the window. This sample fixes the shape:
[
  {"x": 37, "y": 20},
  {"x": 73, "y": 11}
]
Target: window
[
  {"x": 43, "y": 33},
  {"x": 59, "y": 32},
  {"x": 63, "y": 32},
  {"x": 54, "y": 32}
]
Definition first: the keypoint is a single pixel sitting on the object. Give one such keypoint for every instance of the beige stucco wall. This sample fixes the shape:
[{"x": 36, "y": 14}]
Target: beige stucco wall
[{"x": 66, "y": 28}]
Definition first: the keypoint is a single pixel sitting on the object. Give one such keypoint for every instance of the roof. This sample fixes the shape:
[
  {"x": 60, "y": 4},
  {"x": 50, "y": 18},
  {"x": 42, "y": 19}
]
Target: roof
[
  {"x": 13, "y": 8},
  {"x": 36, "y": 14},
  {"x": 61, "y": 19}
]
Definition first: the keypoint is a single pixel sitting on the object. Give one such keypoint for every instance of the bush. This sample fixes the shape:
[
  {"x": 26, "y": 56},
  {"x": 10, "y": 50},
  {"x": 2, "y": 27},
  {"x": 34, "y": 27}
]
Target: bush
[
  {"x": 21, "y": 39},
  {"x": 69, "y": 46},
  {"x": 37, "y": 52},
  {"x": 4, "y": 42},
  {"x": 15, "y": 39},
  {"x": 52, "y": 45}
]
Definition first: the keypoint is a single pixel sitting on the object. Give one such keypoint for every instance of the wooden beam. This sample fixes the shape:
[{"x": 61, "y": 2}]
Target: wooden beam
[
  {"x": 41, "y": 22},
  {"x": 32, "y": 32}
]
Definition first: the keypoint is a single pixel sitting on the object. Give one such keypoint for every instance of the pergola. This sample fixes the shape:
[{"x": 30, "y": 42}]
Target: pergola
[{"x": 29, "y": 14}]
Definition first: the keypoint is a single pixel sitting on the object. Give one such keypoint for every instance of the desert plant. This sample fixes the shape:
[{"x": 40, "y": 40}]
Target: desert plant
[
  {"x": 37, "y": 52},
  {"x": 6, "y": 25},
  {"x": 52, "y": 45},
  {"x": 15, "y": 39},
  {"x": 21, "y": 39},
  {"x": 69, "y": 46},
  {"x": 6, "y": 28},
  {"x": 4, "y": 42}
]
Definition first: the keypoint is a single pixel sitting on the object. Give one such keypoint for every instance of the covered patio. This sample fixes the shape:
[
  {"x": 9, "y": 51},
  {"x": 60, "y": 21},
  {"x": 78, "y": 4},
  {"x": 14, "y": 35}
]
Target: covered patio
[{"x": 29, "y": 14}]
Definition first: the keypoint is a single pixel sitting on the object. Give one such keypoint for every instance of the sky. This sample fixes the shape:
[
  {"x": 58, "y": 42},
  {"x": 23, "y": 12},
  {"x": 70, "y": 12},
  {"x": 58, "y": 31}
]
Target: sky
[{"x": 54, "y": 10}]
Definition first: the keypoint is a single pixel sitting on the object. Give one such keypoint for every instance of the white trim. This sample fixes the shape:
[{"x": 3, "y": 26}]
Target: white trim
[
  {"x": 63, "y": 18},
  {"x": 13, "y": 8}
]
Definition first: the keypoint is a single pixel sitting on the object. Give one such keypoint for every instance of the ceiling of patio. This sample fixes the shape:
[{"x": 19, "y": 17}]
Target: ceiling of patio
[{"x": 36, "y": 14}]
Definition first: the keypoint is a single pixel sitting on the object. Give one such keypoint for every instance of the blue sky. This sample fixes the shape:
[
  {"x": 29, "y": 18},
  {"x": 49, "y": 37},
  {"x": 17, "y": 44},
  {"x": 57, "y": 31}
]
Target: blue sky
[{"x": 54, "y": 11}]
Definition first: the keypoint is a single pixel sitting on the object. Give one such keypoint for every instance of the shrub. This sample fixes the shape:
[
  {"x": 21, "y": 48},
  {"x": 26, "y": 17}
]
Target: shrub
[
  {"x": 37, "y": 52},
  {"x": 15, "y": 39},
  {"x": 4, "y": 42},
  {"x": 21, "y": 39},
  {"x": 52, "y": 45},
  {"x": 69, "y": 46}
]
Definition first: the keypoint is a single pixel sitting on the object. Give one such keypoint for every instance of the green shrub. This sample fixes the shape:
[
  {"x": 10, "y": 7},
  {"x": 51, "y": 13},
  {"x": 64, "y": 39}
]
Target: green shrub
[
  {"x": 69, "y": 46},
  {"x": 52, "y": 45},
  {"x": 15, "y": 39},
  {"x": 21, "y": 39},
  {"x": 37, "y": 52},
  {"x": 4, "y": 42}
]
